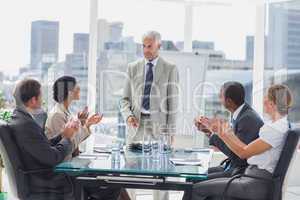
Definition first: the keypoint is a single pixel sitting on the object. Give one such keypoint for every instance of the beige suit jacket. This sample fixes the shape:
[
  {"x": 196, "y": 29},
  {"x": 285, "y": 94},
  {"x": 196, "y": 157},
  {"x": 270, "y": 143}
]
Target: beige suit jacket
[
  {"x": 163, "y": 96},
  {"x": 57, "y": 118}
]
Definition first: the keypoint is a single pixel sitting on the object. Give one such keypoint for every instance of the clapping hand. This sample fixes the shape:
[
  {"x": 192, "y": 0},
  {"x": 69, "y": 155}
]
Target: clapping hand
[
  {"x": 83, "y": 115},
  {"x": 94, "y": 119},
  {"x": 218, "y": 126},
  {"x": 71, "y": 127},
  {"x": 200, "y": 126}
]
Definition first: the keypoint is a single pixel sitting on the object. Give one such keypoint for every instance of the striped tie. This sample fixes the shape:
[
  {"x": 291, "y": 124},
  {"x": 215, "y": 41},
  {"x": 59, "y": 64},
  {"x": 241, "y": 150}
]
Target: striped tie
[{"x": 147, "y": 89}]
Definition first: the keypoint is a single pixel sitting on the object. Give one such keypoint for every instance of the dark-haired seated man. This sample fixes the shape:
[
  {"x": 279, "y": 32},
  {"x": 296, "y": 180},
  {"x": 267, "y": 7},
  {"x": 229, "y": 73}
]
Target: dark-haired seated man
[
  {"x": 245, "y": 123},
  {"x": 37, "y": 152}
]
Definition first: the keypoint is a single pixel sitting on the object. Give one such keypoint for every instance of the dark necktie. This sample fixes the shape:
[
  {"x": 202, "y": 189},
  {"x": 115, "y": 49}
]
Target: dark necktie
[
  {"x": 233, "y": 123},
  {"x": 147, "y": 89}
]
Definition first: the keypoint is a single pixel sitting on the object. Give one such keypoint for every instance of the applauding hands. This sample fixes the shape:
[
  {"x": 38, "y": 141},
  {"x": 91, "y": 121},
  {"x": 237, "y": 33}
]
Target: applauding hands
[
  {"x": 83, "y": 117},
  {"x": 202, "y": 127},
  {"x": 213, "y": 125},
  {"x": 94, "y": 119},
  {"x": 71, "y": 127}
]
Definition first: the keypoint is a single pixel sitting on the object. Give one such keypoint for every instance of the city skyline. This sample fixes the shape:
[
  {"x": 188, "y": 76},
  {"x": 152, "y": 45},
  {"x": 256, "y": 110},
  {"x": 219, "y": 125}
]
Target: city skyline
[{"x": 17, "y": 47}]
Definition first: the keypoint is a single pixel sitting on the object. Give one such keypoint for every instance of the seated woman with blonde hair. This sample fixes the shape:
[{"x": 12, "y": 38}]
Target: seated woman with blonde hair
[{"x": 262, "y": 154}]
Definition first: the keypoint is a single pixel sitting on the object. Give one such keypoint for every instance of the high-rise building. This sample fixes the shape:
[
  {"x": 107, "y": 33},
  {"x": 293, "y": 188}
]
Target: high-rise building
[
  {"x": 110, "y": 36},
  {"x": 44, "y": 43},
  {"x": 76, "y": 65},
  {"x": 81, "y": 43},
  {"x": 115, "y": 31},
  {"x": 168, "y": 45},
  {"x": 203, "y": 45},
  {"x": 283, "y": 41},
  {"x": 197, "y": 45},
  {"x": 103, "y": 34},
  {"x": 249, "y": 49},
  {"x": 1, "y": 77}
]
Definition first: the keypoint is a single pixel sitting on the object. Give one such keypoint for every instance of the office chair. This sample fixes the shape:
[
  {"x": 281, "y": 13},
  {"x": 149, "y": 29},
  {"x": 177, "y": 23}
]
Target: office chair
[
  {"x": 17, "y": 175},
  {"x": 280, "y": 171}
]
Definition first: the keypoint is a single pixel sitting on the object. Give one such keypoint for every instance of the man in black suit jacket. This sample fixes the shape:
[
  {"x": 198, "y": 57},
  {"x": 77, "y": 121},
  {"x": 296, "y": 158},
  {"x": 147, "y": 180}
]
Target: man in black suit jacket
[
  {"x": 37, "y": 152},
  {"x": 245, "y": 123}
]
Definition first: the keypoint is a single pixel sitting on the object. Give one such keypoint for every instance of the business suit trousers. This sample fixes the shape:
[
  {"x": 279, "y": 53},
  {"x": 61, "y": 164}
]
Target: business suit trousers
[
  {"x": 240, "y": 188},
  {"x": 148, "y": 128},
  {"x": 213, "y": 172},
  {"x": 218, "y": 172}
]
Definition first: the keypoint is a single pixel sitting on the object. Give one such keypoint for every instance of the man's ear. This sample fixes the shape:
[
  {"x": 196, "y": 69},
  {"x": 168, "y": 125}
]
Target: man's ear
[
  {"x": 33, "y": 100},
  {"x": 229, "y": 102}
]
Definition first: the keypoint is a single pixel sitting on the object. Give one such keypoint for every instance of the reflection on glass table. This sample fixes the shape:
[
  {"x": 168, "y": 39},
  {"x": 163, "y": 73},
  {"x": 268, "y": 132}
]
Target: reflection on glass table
[{"x": 134, "y": 163}]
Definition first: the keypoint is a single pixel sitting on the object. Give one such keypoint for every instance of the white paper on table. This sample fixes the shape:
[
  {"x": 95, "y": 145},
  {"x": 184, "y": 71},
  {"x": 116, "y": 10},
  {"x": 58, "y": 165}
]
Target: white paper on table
[{"x": 184, "y": 161}]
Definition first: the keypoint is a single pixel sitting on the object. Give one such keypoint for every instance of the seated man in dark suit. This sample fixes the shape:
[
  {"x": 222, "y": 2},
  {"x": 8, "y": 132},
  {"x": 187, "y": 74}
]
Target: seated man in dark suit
[
  {"x": 245, "y": 123},
  {"x": 37, "y": 152}
]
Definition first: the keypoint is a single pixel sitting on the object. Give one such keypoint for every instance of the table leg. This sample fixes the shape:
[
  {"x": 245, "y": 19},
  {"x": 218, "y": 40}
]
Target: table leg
[
  {"x": 80, "y": 193},
  {"x": 188, "y": 194}
]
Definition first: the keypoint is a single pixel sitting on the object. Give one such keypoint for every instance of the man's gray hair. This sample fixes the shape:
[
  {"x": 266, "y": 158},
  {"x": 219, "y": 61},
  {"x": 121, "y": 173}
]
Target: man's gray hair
[{"x": 152, "y": 34}]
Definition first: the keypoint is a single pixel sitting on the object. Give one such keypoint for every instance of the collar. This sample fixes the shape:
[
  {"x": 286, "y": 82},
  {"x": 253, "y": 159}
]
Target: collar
[
  {"x": 237, "y": 111},
  {"x": 31, "y": 114},
  {"x": 284, "y": 119},
  {"x": 22, "y": 109},
  {"x": 62, "y": 108},
  {"x": 154, "y": 61},
  {"x": 280, "y": 123}
]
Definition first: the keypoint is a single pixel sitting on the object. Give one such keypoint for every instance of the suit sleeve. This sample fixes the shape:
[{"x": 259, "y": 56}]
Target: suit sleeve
[
  {"x": 248, "y": 128},
  {"x": 214, "y": 140},
  {"x": 125, "y": 103},
  {"x": 172, "y": 98},
  {"x": 55, "y": 140},
  {"x": 34, "y": 142}
]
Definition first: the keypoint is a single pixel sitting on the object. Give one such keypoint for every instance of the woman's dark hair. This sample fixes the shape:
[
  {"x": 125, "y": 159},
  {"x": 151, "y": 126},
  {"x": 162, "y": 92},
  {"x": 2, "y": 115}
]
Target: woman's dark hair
[
  {"x": 61, "y": 88},
  {"x": 234, "y": 91},
  {"x": 28, "y": 88}
]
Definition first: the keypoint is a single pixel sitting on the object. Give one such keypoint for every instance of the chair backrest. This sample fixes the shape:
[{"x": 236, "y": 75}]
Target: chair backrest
[
  {"x": 13, "y": 164},
  {"x": 284, "y": 162}
]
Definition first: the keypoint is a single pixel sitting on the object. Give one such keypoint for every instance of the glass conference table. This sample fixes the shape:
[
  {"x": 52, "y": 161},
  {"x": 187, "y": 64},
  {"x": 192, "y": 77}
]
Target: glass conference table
[{"x": 173, "y": 171}]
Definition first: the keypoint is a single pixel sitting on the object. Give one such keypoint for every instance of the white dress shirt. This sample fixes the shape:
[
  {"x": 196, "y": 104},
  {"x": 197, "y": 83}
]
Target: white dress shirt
[{"x": 237, "y": 111}]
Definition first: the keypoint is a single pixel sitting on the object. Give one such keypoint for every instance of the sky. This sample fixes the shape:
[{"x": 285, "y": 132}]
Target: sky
[{"x": 227, "y": 26}]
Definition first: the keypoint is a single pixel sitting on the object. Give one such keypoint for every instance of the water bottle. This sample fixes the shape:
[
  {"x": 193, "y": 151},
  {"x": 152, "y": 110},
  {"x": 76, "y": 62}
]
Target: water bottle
[
  {"x": 165, "y": 142},
  {"x": 116, "y": 152},
  {"x": 146, "y": 146},
  {"x": 155, "y": 150}
]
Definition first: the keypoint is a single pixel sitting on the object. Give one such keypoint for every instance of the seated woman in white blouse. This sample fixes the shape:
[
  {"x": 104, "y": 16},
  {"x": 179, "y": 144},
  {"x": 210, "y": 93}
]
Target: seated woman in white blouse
[
  {"x": 262, "y": 154},
  {"x": 65, "y": 91}
]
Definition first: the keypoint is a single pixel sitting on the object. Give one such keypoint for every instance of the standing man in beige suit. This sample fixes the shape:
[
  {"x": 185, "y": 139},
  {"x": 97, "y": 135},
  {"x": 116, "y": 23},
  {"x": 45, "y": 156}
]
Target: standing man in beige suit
[{"x": 150, "y": 100}]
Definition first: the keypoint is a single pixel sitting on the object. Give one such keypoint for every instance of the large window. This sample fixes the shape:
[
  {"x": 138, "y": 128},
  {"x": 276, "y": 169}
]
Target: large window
[
  {"x": 222, "y": 50},
  {"x": 57, "y": 39},
  {"x": 282, "y": 62},
  {"x": 210, "y": 43}
]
